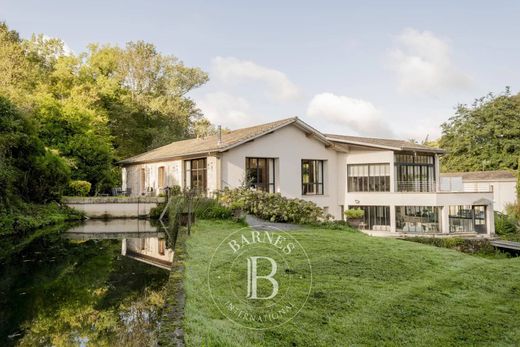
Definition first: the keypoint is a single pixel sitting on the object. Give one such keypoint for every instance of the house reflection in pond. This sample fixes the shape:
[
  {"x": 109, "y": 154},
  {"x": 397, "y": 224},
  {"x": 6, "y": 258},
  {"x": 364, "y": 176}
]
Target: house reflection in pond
[{"x": 149, "y": 250}]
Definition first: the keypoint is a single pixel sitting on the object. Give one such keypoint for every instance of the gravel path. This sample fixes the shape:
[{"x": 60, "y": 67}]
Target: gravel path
[{"x": 260, "y": 224}]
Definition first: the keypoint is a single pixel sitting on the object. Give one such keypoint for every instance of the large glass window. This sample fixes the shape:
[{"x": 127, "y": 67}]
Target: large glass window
[
  {"x": 467, "y": 218},
  {"x": 260, "y": 174},
  {"x": 368, "y": 178},
  {"x": 417, "y": 218},
  {"x": 414, "y": 172},
  {"x": 195, "y": 176},
  {"x": 312, "y": 177},
  {"x": 375, "y": 218}
]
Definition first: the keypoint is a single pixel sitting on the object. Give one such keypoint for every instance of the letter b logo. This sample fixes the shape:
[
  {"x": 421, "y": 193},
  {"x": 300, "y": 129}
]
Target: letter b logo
[{"x": 253, "y": 277}]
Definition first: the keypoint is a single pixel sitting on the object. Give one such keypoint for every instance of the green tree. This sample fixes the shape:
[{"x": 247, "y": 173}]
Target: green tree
[
  {"x": 28, "y": 171},
  {"x": 484, "y": 136}
]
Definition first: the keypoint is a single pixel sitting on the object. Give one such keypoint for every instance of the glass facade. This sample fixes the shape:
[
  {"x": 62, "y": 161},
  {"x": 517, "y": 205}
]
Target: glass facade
[
  {"x": 375, "y": 218},
  {"x": 368, "y": 177},
  {"x": 312, "y": 177},
  {"x": 417, "y": 218},
  {"x": 260, "y": 174},
  {"x": 467, "y": 218},
  {"x": 414, "y": 172}
]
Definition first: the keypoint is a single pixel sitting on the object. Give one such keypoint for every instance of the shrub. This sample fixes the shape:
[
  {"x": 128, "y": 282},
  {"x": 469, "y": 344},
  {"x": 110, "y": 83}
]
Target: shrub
[
  {"x": 208, "y": 208},
  {"x": 155, "y": 212},
  {"x": 354, "y": 213},
  {"x": 513, "y": 210},
  {"x": 504, "y": 224},
  {"x": 273, "y": 206},
  {"x": 78, "y": 188}
]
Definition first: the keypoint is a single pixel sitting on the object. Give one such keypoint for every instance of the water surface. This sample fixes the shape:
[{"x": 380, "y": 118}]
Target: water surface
[{"x": 98, "y": 283}]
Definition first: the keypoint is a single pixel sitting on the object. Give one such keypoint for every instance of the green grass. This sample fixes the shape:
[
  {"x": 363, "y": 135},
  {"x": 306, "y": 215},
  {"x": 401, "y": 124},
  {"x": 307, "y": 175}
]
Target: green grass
[{"x": 368, "y": 291}]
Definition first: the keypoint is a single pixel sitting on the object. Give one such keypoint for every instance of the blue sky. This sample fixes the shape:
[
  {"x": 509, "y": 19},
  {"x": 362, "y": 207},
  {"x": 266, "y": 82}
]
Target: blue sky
[{"x": 371, "y": 68}]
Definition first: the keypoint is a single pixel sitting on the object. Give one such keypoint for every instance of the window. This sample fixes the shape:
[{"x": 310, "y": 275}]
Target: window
[
  {"x": 161, "y": 246},
  {"x": 312, "y": 177},
  {"x": 161, "y": 177},
  {"x": 195, "y": 174},
  {"x": 368, "y": 178},
  {"x": 467, "y": 218},
  {"x": 260, "y": 174},
  {"x": 417, "y": 218},
  {"x": 376, "y": 217},
  {"x": 414, "y": 172}
]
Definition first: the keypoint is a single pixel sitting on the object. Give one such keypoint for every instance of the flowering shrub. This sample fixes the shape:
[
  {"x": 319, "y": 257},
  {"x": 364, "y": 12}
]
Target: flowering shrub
[{"x": 273, "y": 206}]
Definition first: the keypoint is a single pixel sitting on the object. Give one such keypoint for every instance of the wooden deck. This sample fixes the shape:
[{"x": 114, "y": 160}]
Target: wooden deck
[{"x": 506, "y": 245}]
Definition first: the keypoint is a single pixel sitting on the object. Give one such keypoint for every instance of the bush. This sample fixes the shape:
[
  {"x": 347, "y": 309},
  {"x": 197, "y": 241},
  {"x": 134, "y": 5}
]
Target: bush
[
  {"x": 504, "y": 224},
  {"x": 273, "y": 206},
  {"x": 354, "y": 213},
  {"x": 207, "y": 208},
  {"x": 78, "y": 188},
  {"x": 477, "y": 247},
  {"x": 513, "y": 210}
]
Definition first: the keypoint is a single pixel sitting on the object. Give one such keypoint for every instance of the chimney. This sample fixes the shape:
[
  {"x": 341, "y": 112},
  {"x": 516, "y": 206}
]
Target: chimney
[{"x": 219, "y": 134}]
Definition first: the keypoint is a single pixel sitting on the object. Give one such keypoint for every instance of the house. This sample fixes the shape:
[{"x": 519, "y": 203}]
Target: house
[
  {"x": 501, "y": 182},
  {"x": 149, "y": 250},
  {"x": 395, "y": 182}
]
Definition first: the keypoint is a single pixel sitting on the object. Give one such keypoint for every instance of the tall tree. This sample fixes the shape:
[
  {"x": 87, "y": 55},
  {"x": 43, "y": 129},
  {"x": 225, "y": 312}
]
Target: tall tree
[{"x": 484, "y": 136}]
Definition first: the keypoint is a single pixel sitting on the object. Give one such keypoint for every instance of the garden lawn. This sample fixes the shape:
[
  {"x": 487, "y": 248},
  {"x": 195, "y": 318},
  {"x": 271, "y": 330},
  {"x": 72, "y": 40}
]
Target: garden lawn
[{"x": 368, "y": 291}]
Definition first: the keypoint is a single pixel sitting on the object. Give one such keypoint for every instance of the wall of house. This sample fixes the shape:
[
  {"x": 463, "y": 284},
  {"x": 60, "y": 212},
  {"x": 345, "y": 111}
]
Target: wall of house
[
  {"x": 288, "y": 146},
  {"x": 504, "y": 192},
  {"x": 172, "y": 170}
]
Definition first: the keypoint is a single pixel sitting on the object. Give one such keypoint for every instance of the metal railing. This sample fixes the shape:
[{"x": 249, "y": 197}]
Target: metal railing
[
  {"x": 434, "y": 186},
  {"x": 415, "y": 186}
]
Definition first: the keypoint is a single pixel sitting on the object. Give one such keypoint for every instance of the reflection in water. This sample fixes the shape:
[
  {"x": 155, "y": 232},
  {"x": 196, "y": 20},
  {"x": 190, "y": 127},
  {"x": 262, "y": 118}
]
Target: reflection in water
[
  {"x": 76, "y": 289},
  {"x": 149, "y": 250}
]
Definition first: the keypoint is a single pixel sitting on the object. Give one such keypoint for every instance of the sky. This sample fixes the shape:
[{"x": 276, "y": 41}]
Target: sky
[{"x": 392, "y": 69}]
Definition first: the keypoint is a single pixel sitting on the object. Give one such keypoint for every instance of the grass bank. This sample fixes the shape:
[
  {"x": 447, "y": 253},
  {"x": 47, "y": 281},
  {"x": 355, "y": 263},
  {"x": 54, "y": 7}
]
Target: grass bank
[
  {"x": 29, "y": 217},
  {"x": 368, "y": 291}
]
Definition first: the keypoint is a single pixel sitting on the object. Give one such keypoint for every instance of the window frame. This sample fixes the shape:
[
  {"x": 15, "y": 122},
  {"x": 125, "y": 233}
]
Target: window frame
[
  {"x": 315, "y": 184},
  {"x": 364, "y": 184},
  {"x": 189, "y": 173},
  {"x": 270, "y": 178}
]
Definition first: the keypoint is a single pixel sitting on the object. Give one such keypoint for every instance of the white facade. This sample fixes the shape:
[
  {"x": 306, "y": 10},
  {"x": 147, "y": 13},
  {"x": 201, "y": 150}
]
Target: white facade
[
  {"x": 504, "y": 190},
  {"x": 289, "y": 145}
]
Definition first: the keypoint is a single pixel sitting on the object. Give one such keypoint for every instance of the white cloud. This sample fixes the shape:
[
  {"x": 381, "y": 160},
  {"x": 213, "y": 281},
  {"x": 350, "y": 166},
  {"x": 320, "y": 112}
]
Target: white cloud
[
  {"x": 355, "y": 115},
  {"x": 232, "y": 70},
  {"x": 225, "y": 109},
  {"x": 423, "y": 64}
]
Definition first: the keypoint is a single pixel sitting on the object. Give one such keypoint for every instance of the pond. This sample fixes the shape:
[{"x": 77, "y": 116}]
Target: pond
[{"x": 98, "y": 283}]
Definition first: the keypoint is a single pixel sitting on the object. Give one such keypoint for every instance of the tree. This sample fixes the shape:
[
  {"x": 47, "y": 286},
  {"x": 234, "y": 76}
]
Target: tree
[
  {"x": 484, "y": 136},
  {"x": 95, "y": 107},
  {"x": 28, "y": 170}
]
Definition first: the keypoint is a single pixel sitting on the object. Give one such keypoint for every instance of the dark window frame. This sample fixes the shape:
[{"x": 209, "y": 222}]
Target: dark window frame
[
  {"x": 410, "y": 170},
  {"x": 373, "y": 216},
  {"x": 268, "y": 183},
  {"x": 356, "y": 184},
  {"x": 191, "y": 173},
  {"x": 316, "y": 187}
]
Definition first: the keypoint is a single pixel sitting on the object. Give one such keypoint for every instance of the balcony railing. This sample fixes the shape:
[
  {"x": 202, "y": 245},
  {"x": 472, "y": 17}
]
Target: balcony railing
[
  {"x": 434, "y": 186},
  {"x": 415, "y": 186}
]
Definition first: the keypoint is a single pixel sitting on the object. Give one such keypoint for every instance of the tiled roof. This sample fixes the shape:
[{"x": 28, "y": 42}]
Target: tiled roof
[
  {"x": 208, "y": 144},
  {"x": 392, "y": 144},
  {"x": 236, "y": 137},
  {"x": 482, "y": 175}
]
